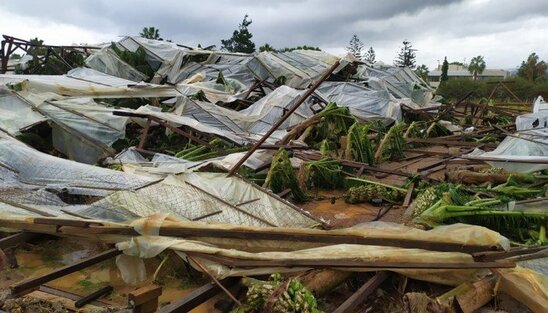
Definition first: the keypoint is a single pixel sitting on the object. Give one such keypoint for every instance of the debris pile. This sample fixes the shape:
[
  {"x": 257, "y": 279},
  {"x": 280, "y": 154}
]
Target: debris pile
[{"x": 290, "y": 181}]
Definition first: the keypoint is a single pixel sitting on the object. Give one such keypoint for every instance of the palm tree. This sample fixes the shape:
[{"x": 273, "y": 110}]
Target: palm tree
[
  {"x": 476, "y": 66},
  {"x": 150, "y": 33}
]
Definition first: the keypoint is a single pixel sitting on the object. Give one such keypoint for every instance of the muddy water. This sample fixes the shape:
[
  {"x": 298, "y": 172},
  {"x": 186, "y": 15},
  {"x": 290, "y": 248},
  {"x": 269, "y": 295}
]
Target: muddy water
[{"x": 46, "y": 257}]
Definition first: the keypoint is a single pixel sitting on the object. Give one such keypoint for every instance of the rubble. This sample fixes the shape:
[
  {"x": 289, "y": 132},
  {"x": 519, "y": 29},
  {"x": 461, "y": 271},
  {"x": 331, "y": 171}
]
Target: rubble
[{"x": 247, "y": 165}]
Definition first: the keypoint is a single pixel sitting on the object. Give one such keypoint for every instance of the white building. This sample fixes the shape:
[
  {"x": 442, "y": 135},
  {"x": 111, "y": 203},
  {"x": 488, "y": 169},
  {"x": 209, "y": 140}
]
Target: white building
[{"x": 461, "y": 71}]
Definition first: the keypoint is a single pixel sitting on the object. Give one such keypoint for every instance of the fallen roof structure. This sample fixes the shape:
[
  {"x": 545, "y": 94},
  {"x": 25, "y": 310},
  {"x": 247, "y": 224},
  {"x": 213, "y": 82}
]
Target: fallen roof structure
[{"x": 290, "y": 164}]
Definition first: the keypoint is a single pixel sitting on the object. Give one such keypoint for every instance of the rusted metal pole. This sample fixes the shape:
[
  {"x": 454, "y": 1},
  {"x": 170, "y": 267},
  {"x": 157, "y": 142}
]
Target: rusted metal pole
[{"x": 298, "y": 103}]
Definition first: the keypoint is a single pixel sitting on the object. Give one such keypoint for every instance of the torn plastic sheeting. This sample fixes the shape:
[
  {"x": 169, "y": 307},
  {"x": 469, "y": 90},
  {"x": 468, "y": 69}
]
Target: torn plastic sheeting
[
  {"x": 529, "y": 143},
  {"x": 189, "y": 121},
  {"x": 400, "y": 82},
  {"x": 148, "y": 246},
  {"x": 16, "y": 114},
  {"x": 364, "y": 103},
  {"x": 108, "y": 62},
  {"x": 76, "y": 87},
  {"x": 195, "y": 201},
  {"x": 82, "y": 129},
  {"x": 36, "y": 168}
]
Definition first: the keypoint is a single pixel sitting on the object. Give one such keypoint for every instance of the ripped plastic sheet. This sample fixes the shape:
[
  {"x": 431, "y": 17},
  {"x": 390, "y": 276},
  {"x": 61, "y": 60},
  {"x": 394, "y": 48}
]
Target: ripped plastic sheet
[
  {"x": 108, "y": 62},
  {"x": 16, "y": 114},
  {"x": 33, "y": 168},
  {"x": 150, "y": 245},
  {"x": 400, "y": 82},
  {"x": 98, "y": 85},
  {"x": 297, "y": 69},
  {"x": 528, "y": 144},
  {"x": 364, "y": 103},
  {"x": 207, "y": 197},
  {"x": 82, "y": 129}
]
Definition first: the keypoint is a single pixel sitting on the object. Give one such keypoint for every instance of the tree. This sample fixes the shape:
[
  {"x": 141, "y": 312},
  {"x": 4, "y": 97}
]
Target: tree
[
  {"x": 444, "y": 69},
  {"x": 355, "y": 47},
  {"x": 422, "y": 72},
  {"x": 151, "y": 33},
  {"x": 532, "y": 69},
  {"x": 267, "y": 47},
  {"x": 303, "y": 47},
  {"x": 406, "y": 56},
  {"x": 241, "y": 39},
  {"x": 369, "y": 56},
  {"x": 476, "y": 66}
]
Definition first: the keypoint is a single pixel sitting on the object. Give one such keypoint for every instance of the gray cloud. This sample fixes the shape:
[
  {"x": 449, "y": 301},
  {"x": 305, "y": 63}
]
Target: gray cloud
[{"x": 328, "y": 24}]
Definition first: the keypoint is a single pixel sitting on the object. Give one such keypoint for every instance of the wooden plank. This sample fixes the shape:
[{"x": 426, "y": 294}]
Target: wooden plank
[
  {"x": 29, "y": 284},
  {"x": 359, "y": 297},
  {"x": 15, "y": 239},
  {"x": 198, "y": 296},
  {"x": 74, "y": 297},
  {"x": 65, "y": 222},
  {"x": 409, "y": 195},
  {"x": 254, "y": 233},
  {"x": 351, "y": 263},
  {"x": 93, "y": 296},
  {"x": 144, "y": 294}
]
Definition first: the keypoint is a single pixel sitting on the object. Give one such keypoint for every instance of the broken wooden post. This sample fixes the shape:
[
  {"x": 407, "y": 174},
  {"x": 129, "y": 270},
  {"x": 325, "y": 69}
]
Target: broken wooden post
[
  {"x": 29, "y": 284},
  {"x": 468, "y": 297},
  {"x": 352, "y": 303},
  {"x": 290, "y": 111},
  {"x": 145, "y": 299}
]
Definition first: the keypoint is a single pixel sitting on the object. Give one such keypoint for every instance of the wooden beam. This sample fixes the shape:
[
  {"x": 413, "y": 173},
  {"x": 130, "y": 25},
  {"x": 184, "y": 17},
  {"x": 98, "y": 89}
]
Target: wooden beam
[
  {"x": 409, "y": 195},
  {"x": 198, "y": 296},
  {"x": 15, "y": 239},
  {"x": 350, "y": 263},
  {"x": 29, "y": 284},
  {"x": 359, "y": 297}
]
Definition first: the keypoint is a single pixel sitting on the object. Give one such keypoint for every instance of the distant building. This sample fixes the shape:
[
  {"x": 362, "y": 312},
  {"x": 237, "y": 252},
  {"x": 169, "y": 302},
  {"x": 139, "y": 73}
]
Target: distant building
[{"x": 461, "y": 71}]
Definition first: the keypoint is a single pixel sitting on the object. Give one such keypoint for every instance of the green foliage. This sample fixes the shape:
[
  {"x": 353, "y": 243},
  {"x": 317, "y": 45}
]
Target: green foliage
[
  {"x": 532, "y": 69},
  {"x": 241, "y": 39},
  {"x": 449, "y": 203},
  {"x": 476, "y": 66},
  {"x": 392, "y": 145},
  {"x": 277, "y": 296},
  {"x": 266, "y": 47},
  {"x": 369, "y": 190},
  {"x": 303, "y": 47},
  {"x": 406, "y": 56},
  {"x": 137, "y": 59},
  {"x": 335, "y": 122},
  {"x": 355, "y": 47},
  {"x": 151, "y": 33},
  {"x": 325, "y": 173},
  {"x": 358, "y": 146},
  {"x": 526, "y": 90},
  {"x": 369, "y": 56},
  {"x": 422, "y": 72},
  {"x": 281, "y": 176}
]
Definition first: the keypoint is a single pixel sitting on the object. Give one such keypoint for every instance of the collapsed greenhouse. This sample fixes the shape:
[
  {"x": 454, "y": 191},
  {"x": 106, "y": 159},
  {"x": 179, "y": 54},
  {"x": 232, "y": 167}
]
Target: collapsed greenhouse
[{"x": 162, "y": 177}]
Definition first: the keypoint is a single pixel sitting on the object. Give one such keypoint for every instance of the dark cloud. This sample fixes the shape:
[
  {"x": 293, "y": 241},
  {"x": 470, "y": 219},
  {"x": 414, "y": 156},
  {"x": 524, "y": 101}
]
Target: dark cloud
[{"x": 328, "y": 24}]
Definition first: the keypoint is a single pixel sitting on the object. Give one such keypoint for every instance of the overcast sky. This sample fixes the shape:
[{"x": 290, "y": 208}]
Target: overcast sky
[{"x": 505, "y": 32}]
